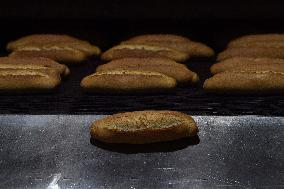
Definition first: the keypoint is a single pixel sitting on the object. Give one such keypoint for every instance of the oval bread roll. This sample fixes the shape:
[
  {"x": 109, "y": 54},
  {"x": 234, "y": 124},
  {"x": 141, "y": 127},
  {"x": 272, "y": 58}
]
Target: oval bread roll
[
  {"x": 165, "y": 66},
  {"x": 142, "y": 127},
  {"x": 177, "y": 42},
  {"x": 254, "y": 52},
  {"x": 159, "y": 37},
  {"x": 256, "y": 38},
  {"x": 261, "y": 44},
  {"x": 28, "y": 80},
  {"x": 143, "y": 51},
  {"x": 42, "y": 40},
  {"x": 66, "y": 55},
  {"x": 33, "y": 63},
  {"x": 253, "y": 82},
  {"x": 127, "y": 81},
  {"x": 242, "y": 63}
]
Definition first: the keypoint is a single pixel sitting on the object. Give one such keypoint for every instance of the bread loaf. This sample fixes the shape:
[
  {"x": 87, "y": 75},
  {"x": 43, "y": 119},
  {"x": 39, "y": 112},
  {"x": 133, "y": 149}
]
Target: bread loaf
[
  {"x": 33, "y": 63},
  {"x": 260, "y": 44},
  {"x": 28, "y": 80},
  {"x": 143, "y": 51},
  {"x": 254, "y": 64},
  {"x": 180, "y": 43},
  {"x": 262, "y": 38},
  {"x": 65, "y": 55},
  {"x": 252, "y": 82},
  {"x": 165, "y": 66},
  {"x": 253, "y": 52},
  {"x": 60, "y": 48},
  {"x": 47, "y": 40},
  {"x": 143, "y": 127},
  {"x": 127, "y": 81}
]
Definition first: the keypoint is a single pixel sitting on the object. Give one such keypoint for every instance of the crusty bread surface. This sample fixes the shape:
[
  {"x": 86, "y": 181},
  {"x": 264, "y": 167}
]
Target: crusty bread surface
[
  {"x": 253, "y": 82},
  {"x": 142, "y": 127},
  {"x": 33, "y": 63},
  {"x": 247, "y": 39},
  {"x": 261, "y": 44},
  {"x": 28, "y": 80},
  {"x": 180, "y": 43},
  {"x": 143, "y": 51},
  {"x": 242, "y": 63},
  {"x": 127, "y": 81},
  {"x": 60, "y": 55},
  {"x": 165, "y": 66},
  {"x": 253, "y": 52},
  {"x": 45, "y": 40}
]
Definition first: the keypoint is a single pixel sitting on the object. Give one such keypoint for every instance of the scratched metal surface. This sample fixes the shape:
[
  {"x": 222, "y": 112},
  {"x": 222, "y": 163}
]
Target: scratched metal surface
[{"x": 55, "y": 152}]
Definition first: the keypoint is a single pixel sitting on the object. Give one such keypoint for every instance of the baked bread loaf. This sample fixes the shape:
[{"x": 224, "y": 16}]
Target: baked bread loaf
[
  {"x": 55, "y": 53},
  {"x": 127, "y": 81},
  {"x": 180, "y": 43},
  {"x": 48, "y": 40},
  {"x": 242, "y": 63},
  {"x": 260, "y": 44},
  {"x": 252, "y": 82},
  {"x": 254, "y": 52},
  {"x": 62, "y": 48},
  {"x": 247, "y": 39},
  {"x": 165, "y": 66},
  {"x": 143, "y": 51},
  {"x": 142, "y": 127},
  {"x": 33, "y": 63},
  {"x": 28, "y": 80}
]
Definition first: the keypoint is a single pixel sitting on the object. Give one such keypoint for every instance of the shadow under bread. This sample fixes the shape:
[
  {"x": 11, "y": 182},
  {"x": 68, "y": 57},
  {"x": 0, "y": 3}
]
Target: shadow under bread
[{"x": 168, "y": 146}]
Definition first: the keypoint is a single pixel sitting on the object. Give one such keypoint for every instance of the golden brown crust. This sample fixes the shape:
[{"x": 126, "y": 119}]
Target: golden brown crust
[
  {"x": 60, "y": 55},
  {"x": 143, "y": 51},
  {"x": 142, "y": 127},
  {"x": 33, "y": 63},
  {"x": 43, "y": 71},
  {"x": 28, "y": 80},
  {"x": 67, "y": 71},
  {"x": 45, "y": 40},
  {"x": 165, "y": 66},
  {"x": 242, "y": 63},
  {"x": 253, "y": 82},
  {"x": 256, "y": 38},
  {"x": 255, "y": 52},
  {"x": 160, "y": 37},
  {"x": 127, "y": 81},
  {"x": 183, "y": 44},
  {"x": 261, "y": 44},
  {"x": 145, "y": 61}
]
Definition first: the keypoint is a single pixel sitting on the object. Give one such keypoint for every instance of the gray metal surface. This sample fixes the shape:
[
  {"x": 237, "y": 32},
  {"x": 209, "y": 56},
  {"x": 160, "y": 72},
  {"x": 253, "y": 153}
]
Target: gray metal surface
[{"x": 55, "y": 152}]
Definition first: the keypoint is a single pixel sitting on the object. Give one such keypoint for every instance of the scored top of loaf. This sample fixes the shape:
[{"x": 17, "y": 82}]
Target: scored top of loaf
[
  {"x": 143, "y": 120},
  {"x": 159, "y": 37},
  {"x": 128, "y": 72},
  {"x": 5, "y": 72},
  {"x": 143, "y": 47}
]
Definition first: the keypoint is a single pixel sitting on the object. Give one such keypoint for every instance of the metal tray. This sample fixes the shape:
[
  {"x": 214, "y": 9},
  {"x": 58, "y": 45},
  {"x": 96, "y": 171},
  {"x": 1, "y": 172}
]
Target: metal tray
[{"x": 55, "y": 152}]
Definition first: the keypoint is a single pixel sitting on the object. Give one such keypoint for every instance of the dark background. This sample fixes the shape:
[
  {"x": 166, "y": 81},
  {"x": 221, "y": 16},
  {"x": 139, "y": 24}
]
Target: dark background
[
  {"x": 154, "y": 9},
  {"x": 109, "y": 21}
]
